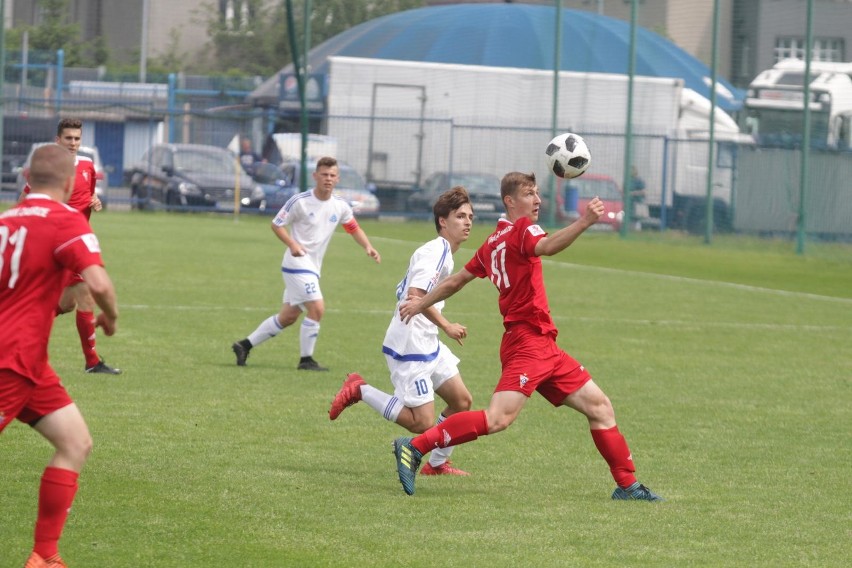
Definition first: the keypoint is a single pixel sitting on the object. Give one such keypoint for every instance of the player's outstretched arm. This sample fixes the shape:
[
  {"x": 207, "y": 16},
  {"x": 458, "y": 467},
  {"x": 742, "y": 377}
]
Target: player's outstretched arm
[
  {"x": 564, "y": 237},
  {"x": 361, "y": 238},
  {"x": 442, "y": 291},
  {"x": 455, "y": 331},
  {"x": 102, "y": 290}
]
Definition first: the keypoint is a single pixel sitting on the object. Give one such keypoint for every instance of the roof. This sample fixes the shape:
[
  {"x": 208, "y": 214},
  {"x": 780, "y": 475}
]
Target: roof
[{"x": 511, "y": 35}]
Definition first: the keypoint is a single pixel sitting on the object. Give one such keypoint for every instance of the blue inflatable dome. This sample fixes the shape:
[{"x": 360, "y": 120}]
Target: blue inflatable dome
[{"x": 513, "y": 35}]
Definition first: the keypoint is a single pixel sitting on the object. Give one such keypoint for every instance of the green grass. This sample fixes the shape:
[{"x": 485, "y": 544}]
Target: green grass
[{"x": 729, "y": 367}]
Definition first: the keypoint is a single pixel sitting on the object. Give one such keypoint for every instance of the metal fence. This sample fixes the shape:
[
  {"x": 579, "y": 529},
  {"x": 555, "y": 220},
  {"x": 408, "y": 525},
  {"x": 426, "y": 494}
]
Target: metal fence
[{"x": 755, "y": 192}]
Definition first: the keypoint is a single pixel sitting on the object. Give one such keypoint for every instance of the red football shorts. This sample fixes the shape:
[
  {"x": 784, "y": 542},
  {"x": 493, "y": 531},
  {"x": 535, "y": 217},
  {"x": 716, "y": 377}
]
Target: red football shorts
[
  {"x": 533, "y": 362},
  {"x": 22, "y": 399}
]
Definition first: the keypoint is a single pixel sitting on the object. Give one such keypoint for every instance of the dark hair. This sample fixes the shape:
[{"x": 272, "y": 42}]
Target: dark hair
[
  {"x": 326, "y": 162},
  {"x": 68, "y": 123},
  {"x": 448, "y": 202},
  {"x": 513, "y": 181}
]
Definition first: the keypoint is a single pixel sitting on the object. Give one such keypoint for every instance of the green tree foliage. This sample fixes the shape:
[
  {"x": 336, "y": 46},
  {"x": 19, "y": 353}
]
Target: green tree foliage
[
  {"x": 260, "y": 46},
  {"x": 52, "y": 34}
]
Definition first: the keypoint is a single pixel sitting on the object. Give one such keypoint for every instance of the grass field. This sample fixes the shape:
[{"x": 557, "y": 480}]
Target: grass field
[{"x": 730, "y": 368}]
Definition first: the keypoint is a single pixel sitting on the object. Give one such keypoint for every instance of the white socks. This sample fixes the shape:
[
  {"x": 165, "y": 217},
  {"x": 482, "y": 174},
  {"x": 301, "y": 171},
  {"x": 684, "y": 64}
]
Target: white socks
[
  {"x": 440, "y": 455},
  {"x": 385, "y": 404},
  {"x": 308, "y": 336},
  {"x": 266, "y": 330}
]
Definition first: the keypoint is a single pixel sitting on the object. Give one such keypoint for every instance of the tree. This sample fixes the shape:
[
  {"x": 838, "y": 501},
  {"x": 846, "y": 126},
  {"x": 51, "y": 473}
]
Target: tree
[
  {"x": 52, "y": 34},
  {"x": 260, "y": 45},
  {"x": 245, "y": 36}
]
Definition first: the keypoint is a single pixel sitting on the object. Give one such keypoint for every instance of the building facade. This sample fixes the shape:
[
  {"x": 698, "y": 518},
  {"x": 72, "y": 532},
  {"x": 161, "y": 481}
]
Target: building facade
[
  {"x": 753, "y": 34},
  {"x": 162, "y": 26}
]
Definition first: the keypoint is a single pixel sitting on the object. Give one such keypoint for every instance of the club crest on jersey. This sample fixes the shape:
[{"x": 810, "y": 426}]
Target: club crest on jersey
[
  {"x": 86, "y": 175},
  {"x": 91, "y": 242},
  {"x": 333, "y": 219},
  {"x": 535, "y": 230},
  {"x": 523, "y": 380}
]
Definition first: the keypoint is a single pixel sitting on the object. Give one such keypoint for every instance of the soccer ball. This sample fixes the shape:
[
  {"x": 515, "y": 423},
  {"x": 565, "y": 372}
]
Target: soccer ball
[{"x": 568, "y": 156}]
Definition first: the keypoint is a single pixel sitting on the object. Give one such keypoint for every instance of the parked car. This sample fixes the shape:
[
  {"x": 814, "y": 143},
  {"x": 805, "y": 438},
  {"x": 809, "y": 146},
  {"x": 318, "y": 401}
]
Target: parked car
[
  {"x": 188, "y": 175},
  {"x": 351, "y": 186},
  {"x": 90, "y": 152},
  {"x": 484, "y": 191},
  {"x": 274, "y": 188},
  {"x": 574, "y": 194},
  {"x": 20, "y": 133}
]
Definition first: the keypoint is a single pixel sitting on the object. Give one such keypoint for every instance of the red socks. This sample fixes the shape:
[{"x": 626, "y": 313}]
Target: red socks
[
  {"x": 457, "y": 429},
  {"x": 613, "y": 447},
  {"x": 56, "y": 493},
  {"x": 86, "y": 329}
]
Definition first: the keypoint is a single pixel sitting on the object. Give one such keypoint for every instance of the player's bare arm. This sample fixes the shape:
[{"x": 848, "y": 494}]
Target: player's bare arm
[
  {"x": 564, "y": 237},
  {"x": 102, "y": 290},
  {"x": 361, "y": 238},
  {"x": 284, "y": 236},
  {"x": 96, "y": 203},
  {"x": 449, "y": 286},
  {"x": 454, "y": 331}
]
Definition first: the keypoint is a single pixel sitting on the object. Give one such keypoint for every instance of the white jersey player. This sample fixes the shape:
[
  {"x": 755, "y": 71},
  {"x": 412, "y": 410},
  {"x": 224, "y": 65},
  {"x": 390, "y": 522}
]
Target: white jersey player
[
  {"x": 312, "y": 217},
  {"x": 420, "y": 364}
]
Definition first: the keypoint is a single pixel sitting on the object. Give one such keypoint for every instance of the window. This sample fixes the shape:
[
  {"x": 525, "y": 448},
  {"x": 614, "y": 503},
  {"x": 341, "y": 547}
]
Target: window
[
  {"x": 824, "y": 49},
  {"x": 236, "y": 14}
]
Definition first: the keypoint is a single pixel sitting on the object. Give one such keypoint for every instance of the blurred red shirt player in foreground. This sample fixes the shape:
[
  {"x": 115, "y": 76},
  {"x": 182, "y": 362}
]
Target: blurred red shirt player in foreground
[{"x": 41, "y": 239}]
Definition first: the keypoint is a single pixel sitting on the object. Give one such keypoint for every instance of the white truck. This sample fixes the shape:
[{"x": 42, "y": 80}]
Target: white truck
[
  {"x": 401, "y": 121},
  {"x": 775, "y": 105},
  {"x": 768, "y": 187}
]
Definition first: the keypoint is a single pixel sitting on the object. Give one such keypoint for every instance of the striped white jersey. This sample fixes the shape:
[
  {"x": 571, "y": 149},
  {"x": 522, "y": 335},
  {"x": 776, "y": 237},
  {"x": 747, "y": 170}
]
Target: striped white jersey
[
  {"x": 311, "y": 223},
  {"x": 418, "y": 340}
]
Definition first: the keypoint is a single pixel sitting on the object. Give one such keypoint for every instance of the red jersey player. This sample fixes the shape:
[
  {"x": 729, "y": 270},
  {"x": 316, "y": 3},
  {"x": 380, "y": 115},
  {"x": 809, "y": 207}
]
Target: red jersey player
[
  {"x": 41, "y": 239},
  {"x": 531, "y": 359},
  {"x": 69, "y": 134}
]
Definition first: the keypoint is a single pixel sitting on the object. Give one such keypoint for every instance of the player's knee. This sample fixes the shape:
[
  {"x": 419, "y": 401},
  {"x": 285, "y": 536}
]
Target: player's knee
[
  {"x": 463, "y": 403},
  {"x": 601, "y": 410},
  {"x": 78, "y": 449},
  {"x": 499, "y": 422},
  {"x": 420, "y": 425},
  {"x": 64, "y": 308}
]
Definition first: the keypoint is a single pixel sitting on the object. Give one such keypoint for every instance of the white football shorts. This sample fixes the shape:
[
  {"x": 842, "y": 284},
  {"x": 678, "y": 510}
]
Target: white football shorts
[
  {"x": 301, "y": 287},
  {"x": 414, "y": 382}
]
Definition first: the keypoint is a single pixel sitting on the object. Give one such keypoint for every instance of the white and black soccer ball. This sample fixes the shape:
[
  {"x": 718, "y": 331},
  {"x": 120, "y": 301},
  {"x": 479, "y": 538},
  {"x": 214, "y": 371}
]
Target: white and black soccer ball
[{"x": 568, "y": 156}]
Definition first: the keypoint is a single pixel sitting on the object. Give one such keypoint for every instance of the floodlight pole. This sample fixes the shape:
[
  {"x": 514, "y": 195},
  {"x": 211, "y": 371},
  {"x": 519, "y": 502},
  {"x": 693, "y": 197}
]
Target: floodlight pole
[
  {"x": 627, "y": 180},
  {"x": 806, "y": 135},
  {"x": 302, "y": 94},
  {"x": 711, "y": 141},
  {"x": 300, "y": 65},
  {"x": 554, "y": 117}
]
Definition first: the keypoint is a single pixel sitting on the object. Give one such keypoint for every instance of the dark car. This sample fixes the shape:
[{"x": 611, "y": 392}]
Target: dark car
[
  {"x": 20, "y": 133},
  {"x": 351, "y": 187},
  {"x": 274, "y": 188},
  {"x": 484, "y": 191},
  {"x": 188, "y": 175}
]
